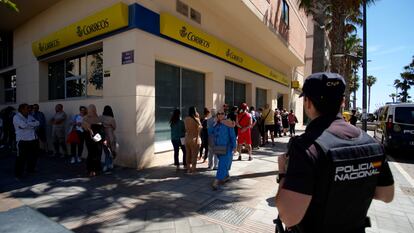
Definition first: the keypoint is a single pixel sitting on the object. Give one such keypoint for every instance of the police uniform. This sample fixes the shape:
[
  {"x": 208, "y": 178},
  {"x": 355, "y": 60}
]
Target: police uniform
[{"x": 337, "y": 164}]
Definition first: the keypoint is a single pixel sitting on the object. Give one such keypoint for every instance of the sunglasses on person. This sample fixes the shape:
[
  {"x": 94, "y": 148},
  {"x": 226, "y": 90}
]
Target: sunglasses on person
[{"x": 220, "y": 113}]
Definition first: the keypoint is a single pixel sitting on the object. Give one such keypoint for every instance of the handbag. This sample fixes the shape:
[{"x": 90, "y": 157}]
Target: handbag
[
  {"x": 73, "y": 138},
  {"x": 219, "y": 150}
]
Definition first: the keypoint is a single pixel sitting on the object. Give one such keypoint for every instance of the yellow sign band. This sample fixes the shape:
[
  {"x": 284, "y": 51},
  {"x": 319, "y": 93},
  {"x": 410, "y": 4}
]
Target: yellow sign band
[
  {"x": 181, "y": 31},
  {"x": 105, "y": 21}
]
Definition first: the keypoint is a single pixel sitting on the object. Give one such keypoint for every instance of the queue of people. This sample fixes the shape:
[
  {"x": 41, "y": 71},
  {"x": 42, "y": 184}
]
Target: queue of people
[
  {"x": 217, "y": 136},
  {"x": 25, "y": 131}
]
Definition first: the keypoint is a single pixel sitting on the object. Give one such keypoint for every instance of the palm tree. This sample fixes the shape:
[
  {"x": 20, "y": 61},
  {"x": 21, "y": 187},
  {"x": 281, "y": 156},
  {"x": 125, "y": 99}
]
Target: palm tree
[
  {"x": 371, "y": 80},
  {"x": 354, "y": 86},
  {"x": 352, "y": 62},
  {"x": 407, "y": 81},
  {"x": 345, "y": 14},
  {"x": 393, "y": 95},
  {"x": 319, "y": 12},
  {"x": 9, "y": 4}
]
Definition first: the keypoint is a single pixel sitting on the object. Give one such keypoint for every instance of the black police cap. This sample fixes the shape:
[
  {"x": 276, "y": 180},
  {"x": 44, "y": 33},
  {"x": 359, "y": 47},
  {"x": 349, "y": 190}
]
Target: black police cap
[{"x": 324, "y": 87}]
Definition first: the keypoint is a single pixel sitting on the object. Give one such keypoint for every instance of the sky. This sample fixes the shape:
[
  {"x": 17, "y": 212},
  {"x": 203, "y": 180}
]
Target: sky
[{"x": 390, "y": 47}]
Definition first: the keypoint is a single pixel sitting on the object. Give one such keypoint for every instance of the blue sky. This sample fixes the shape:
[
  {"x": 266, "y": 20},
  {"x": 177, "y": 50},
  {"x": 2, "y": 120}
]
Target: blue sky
[{"x": 390, "y": 46}]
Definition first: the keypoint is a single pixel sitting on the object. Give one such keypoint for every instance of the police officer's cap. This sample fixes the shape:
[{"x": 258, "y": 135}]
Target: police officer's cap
[{"x": 324, "y": 87}]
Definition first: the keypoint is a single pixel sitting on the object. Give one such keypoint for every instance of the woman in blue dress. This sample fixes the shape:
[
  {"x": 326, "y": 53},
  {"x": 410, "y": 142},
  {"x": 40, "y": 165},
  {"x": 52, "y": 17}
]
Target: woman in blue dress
[{"x": 223, "y": 136}]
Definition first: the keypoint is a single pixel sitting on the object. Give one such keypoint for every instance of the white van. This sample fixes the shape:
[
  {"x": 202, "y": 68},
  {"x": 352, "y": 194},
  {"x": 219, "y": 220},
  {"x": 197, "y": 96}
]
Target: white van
[{"x": 395, "y": 126}]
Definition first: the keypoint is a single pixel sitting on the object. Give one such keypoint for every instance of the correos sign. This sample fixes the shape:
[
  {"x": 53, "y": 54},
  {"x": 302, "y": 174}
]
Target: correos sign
[{"x": 102, "y": 22}]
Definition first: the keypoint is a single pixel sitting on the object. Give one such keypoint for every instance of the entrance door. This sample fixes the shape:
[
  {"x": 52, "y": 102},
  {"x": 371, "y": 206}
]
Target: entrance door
[{"x": 175, "y": 87}]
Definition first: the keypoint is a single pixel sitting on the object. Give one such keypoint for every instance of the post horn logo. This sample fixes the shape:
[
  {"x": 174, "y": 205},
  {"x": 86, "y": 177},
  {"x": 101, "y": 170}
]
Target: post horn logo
[
  {"x": 183, "y": 32},
  {"x": 79, "y": 31}
]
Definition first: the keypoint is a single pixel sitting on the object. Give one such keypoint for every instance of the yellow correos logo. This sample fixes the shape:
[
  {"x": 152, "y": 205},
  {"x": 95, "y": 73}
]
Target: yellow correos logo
[
  {"x": 181, "y": 31},
  {"x": 105, "y": 21}
]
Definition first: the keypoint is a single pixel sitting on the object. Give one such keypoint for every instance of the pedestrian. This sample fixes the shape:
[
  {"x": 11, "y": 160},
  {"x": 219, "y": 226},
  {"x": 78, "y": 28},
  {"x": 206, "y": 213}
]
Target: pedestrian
[
  {"x": 332, "y": 172},
  {"x": 41, "y": 129},
  {"x": 9, "y": 136},
  {"x": 26, "y": 139},
  {"x": 269, "y": 124},
  {"x": 232, "y": 116},
  {"x": 212, "y": 158},
  {"x": 192, "y": 138},
  {"x": 76, "y": 148},
  {"x": 244, "y": 123},
  {"x": 204, "y": 135},
  {"x": 354, "y": 118},
  {"x": 292, "y": 123},
  {"x": 260, "y": 124},
  {"x": 255, "y": 131},
  {"x": 109, "y": 124},
  {"x": 278, "y": 123},
  {"x": 224, "y": 140},
  {"x": 285, "y": 121},
  {"x": 58, "y": 131},
  {"x": 177, "y": 134},
  {"x": 94, "y": 135}
]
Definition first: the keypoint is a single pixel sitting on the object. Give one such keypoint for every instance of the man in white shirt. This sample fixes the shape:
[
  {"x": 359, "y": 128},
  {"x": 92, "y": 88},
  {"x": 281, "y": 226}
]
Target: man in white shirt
[{"x": 27, "y": 142}]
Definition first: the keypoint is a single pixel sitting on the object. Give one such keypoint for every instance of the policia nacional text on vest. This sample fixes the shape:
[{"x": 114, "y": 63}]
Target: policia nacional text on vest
[{"x": 354, "y": 167}]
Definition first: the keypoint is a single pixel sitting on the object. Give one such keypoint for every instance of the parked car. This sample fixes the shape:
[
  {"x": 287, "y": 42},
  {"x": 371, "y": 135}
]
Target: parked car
[{"x": 395, "y": 126}]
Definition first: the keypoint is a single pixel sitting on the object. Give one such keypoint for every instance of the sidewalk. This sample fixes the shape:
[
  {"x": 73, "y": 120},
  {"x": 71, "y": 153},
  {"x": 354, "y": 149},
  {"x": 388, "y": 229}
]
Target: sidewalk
[{"x": 159, "y": 199}]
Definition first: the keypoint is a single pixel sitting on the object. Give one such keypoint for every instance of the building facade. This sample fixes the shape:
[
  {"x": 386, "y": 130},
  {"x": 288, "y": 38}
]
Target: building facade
[{"x": 146, "y": 58}]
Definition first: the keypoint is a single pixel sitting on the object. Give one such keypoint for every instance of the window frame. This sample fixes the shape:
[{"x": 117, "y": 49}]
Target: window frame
[
  {"x": 285, "y": 13},
  {"x": 12, "y": 88},
  {"x": 83, "y": 77}
]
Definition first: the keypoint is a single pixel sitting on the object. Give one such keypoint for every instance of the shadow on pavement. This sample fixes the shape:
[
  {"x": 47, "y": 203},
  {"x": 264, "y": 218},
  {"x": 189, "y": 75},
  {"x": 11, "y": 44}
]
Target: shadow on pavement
[{"x": 128, "y": 199}]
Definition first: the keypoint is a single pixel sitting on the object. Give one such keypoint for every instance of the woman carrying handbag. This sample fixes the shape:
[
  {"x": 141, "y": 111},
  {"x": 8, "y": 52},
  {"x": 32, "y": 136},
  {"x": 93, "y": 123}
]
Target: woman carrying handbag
[{"x": 224, "y": 145}]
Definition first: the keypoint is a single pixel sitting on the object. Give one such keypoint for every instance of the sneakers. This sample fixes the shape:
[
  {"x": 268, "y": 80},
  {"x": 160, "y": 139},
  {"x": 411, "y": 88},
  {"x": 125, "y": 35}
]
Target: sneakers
[
  {"x": 78, "y": 159},
  {"x": 239, "y": 158},
  {"x": 72, "y": 160}
]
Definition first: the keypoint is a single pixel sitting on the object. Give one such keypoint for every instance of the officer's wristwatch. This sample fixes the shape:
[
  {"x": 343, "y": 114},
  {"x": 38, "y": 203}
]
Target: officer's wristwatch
[{"x": 280, "y": 176}]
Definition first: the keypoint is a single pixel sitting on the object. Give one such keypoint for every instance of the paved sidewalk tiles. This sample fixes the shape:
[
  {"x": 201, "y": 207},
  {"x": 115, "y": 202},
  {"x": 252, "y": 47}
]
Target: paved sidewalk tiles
[{"x": 159, "y": 199}]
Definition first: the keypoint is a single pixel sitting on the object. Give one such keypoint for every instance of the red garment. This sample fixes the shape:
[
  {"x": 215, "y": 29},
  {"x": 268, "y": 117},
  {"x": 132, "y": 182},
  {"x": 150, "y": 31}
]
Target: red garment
[
  {"x": 291, "y": 118},
  {"x": 244, "y": 120}
]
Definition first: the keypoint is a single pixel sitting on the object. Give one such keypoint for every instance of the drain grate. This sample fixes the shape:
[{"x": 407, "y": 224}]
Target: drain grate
[
  {"x": 407, "y": 191},
  {"x": 226, "y": 212}
]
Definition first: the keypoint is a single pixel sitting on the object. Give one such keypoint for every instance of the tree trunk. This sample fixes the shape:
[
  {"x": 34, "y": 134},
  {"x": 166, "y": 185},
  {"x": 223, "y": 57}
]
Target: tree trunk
[
  {"x": 318, "y": 53},
  {"x": 337, "y": 37},
  {"x": 354, "y": 99},
  {"x": 347, "y": 77}
]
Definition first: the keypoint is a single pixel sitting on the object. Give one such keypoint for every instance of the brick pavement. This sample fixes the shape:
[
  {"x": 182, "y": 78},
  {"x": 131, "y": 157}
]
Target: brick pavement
[{"x": 159, "y": 199}]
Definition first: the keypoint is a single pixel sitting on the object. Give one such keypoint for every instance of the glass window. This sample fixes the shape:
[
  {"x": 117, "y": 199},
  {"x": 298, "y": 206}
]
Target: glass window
[
  {"x": 167, "y": 98},
  {"x": 235, "y": 93},
  {"x": 261, "y": 97},
  {"x": 175, "y": 87},
  {"x": 95, "y": 73},
  {"x": 195, "y": 15},
  {"x": 404, "y": 115},
  {"x": 56, "y": 80},
  {"x": 6, "y": 49},
  {"x": 76, "y": 76},
  {"x": 239, "y": 93},
  {"x": 192, "y": 91},
  {"x": 9, "y": 82},
  {"x": 285, "y": 12},
  {"x": 182, "y": 8}
]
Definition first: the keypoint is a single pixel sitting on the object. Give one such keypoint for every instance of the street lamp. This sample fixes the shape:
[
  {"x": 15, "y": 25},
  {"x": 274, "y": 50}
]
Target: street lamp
[{"x": 364, "y": 74}]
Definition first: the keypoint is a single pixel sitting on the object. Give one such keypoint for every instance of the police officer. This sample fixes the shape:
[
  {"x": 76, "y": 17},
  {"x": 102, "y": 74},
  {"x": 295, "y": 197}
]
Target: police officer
[{"x": 331, "y": 173}]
